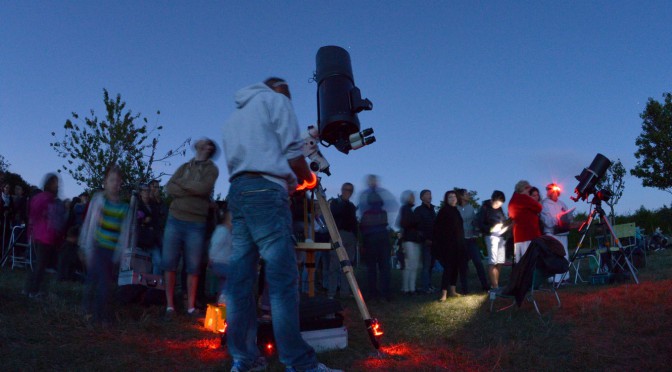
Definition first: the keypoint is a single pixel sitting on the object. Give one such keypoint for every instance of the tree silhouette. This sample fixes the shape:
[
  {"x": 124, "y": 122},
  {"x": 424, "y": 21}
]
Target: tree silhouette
[{"x": 121, "y": 137}]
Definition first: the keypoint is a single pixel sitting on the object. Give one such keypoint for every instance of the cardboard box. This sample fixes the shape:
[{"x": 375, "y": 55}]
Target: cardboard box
[
  {"x": 147, "y": 280},
  {"x": 136, "y": 260},
  {"x": 327, "y": 339}
]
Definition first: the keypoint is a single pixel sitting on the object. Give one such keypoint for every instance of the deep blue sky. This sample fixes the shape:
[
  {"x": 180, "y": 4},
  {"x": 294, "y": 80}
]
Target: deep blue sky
[{"x": 470, "y": 94}]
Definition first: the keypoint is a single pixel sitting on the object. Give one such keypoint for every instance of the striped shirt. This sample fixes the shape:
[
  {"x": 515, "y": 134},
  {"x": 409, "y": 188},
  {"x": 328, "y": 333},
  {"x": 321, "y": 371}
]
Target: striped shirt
[{"x": 109, "y": 230}]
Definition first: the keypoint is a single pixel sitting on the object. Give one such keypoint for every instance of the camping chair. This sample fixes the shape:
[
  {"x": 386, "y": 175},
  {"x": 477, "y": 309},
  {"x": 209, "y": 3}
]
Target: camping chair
[
  {"x": 543, "y": 259},
  {"x": 626, "y": 233}
]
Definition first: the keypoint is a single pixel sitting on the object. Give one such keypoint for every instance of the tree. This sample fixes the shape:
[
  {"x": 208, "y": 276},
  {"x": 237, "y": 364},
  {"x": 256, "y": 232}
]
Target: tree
[
  {"x": 89, "y": 145},
  {"x": 4, "y": 164},
  {"x": 654, "y": 164},
  {"x": 613, "y": 182}
]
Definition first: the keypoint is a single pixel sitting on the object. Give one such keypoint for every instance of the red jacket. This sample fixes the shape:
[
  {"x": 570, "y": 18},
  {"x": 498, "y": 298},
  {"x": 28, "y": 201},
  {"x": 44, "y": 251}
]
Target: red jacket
[{"x": 525, "y": 214}]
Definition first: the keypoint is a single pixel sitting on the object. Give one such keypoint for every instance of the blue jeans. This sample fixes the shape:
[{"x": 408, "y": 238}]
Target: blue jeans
[
  {"x": 183, "y": 235},
  {"x": 262, "y": 227},
  {"x": 426, "y": 271},
  {"x": 474, "y": 254}
]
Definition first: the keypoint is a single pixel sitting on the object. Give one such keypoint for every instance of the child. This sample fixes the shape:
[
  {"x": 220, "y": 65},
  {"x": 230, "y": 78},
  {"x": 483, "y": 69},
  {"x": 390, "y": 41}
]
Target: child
[
  {"x": 105, "y": 234},
  {"x": 220, "y": 248}
]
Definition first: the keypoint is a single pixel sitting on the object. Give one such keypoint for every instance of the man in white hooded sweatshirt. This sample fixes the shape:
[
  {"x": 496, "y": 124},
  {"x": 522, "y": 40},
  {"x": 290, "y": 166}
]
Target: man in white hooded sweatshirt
[{"x": 264, "y": 154}]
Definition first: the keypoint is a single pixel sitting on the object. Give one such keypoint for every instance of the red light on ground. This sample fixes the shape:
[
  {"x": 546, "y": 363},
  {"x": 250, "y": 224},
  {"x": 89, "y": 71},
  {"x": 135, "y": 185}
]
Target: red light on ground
[{"x": 269, "y": 347}]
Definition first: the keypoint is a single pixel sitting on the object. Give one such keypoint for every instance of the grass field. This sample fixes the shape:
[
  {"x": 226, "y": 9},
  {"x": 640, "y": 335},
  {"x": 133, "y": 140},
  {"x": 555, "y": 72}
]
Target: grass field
[{"x": 620, "y": 327}]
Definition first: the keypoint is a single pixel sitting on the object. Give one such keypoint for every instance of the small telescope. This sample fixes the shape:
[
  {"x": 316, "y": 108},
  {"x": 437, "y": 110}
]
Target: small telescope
[{"x": 339, "y": 101}]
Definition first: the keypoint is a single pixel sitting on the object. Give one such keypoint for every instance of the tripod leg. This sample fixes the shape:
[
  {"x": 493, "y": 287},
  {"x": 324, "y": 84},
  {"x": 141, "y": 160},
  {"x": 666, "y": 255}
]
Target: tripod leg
[{"x": 346, "y": 268}]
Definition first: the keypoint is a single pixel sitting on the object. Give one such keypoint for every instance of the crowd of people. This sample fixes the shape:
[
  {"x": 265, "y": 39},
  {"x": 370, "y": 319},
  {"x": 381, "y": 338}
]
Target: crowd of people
[{"x": 261, "y": 220}]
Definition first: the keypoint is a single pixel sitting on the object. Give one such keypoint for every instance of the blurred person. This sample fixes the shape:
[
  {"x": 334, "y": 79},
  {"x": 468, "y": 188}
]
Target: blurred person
[
  {"x": 426, "y": 214},
  {"x": 524, "y": 211},
  {"x": 376, "y": 245},
  {"x": 494, "y": 227},
  {"x": 20, "y": 202},
  {"x": 69, "y": 263},
  {"x": 411, "y": 242},
  {"x": 191, "y": 188},
  {"x": 534, "y": 193},
  {"x": 159, "y": 213},
  {"x": 449, "y": 245},
  {"x": 6, "y": 213},
  {"x": 470, "y": 235},
  {"x": 47, "y": 218},
  {"x": 345, "y": 217},
  {"x": 556, "y": 219},
  {"x": 220, "y": 249},
  {"x": 264, "y": 156},
  {"x": 105, "y": 234}
]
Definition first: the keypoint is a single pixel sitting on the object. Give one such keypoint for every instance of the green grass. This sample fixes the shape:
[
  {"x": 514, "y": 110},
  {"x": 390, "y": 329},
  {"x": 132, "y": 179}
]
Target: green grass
[{"x": 609, "y": 327}]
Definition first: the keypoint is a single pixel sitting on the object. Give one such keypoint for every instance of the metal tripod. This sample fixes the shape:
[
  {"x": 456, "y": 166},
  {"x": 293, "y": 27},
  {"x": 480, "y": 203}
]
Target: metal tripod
[
  {"x": 372, "y": 325},
  {"x": 597, "y": 210}
]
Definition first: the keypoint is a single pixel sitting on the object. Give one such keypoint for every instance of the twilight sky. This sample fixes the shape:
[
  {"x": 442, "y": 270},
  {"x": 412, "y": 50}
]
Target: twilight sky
[{"x": 476, "y": 94}]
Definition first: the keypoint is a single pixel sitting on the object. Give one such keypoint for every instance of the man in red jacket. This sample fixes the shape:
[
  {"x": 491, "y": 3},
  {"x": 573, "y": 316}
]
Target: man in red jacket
[{"x": 525, "y": 214}]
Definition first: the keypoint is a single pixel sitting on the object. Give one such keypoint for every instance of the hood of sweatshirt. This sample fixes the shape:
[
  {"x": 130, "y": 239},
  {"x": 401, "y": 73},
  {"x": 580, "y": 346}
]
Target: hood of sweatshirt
[{"x": 245, "y": 95}]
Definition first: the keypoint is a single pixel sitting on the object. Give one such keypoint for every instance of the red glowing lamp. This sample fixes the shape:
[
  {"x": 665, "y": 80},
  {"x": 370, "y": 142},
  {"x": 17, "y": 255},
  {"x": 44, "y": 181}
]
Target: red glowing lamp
[
  {"x": 375, "y": 331},
  {"x": 308, "y": 184}
]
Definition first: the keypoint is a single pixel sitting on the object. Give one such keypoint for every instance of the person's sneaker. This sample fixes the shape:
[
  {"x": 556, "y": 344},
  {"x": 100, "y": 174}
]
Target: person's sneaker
[
  {"x": 258, "y": 365},
  {"x": 195, "y": 313},
  {"x": 320, "y": 368},
  {"x": 169, "y": 315}
]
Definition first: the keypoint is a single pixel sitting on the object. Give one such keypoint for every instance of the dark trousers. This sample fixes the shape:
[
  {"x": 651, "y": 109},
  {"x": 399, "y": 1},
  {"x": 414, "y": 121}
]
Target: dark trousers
[
  {"x": 474, "y": 254},
  {"x": 377, "y": 253},
  {"x": 453, "y": 266},
  {"x": 45, "y": 254}
]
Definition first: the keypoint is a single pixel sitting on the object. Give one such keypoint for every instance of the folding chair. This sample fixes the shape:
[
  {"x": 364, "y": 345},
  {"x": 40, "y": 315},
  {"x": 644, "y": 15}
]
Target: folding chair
[
  {"x": 545, "y": 258},
  {"x": 21, "y": 254},
  {"x": 627, "y": 234}
]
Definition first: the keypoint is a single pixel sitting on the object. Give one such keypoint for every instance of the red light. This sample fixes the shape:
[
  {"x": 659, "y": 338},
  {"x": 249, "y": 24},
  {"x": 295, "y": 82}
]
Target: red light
[
  {"x": 377, "y": 331},
  {"x": 308, "y": 185},
  {"x": 269, "y": 346}
]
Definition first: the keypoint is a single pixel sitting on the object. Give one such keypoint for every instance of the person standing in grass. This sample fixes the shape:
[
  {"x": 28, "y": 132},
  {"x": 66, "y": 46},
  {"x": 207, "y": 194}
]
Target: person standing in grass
[
  {"x": 104, "y": 236},
  {"x": 47, "y": 218},
  {"x": 411, "y": 239},
  {"x": 449, "y": 245}
]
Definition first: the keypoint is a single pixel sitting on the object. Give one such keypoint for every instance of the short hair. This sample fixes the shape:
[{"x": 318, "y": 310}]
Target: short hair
[
  {"x": 533, "y": 189},
  {"x": 423, "y": 192},
  {"x": 348, "y": 184},
  {"x": 274, "y": 82},
  {"x": 498, "y": 196},
  {"x": 521, "y": 185}
]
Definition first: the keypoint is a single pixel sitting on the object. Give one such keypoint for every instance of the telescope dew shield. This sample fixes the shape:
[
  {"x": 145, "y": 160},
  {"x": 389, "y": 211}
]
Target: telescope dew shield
[
  {"x": 338, "y": 99},
  {"x": 590, "y": 176}
]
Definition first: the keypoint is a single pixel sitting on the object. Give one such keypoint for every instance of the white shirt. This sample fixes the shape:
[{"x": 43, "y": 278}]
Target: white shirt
[{"x": 550, "y": 211}]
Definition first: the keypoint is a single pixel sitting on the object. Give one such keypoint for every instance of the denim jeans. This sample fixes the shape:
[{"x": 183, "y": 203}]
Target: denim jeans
[
  {"x": 474, "y": 254},
  {"x": 262, "y": 227},
  {"x": 183, "y": 235},
  {"x": 426, "y": 270}
]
